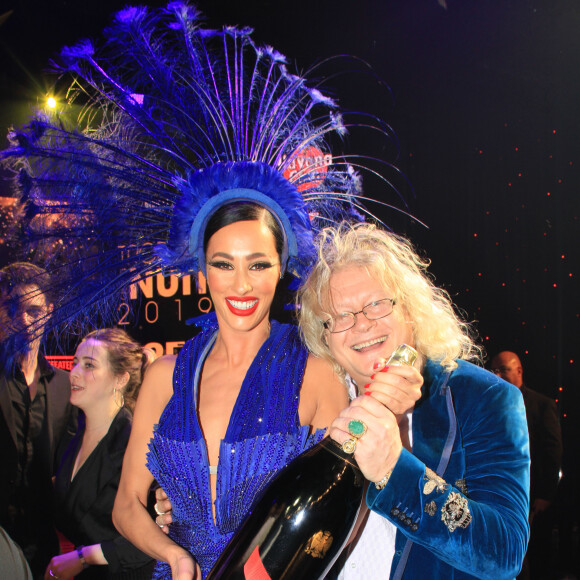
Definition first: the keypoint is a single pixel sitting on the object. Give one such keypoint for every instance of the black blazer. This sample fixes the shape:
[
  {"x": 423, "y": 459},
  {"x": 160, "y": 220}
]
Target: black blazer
[
  {"x": 545, "y": 444},
  {"x": 84, "y": 506}
]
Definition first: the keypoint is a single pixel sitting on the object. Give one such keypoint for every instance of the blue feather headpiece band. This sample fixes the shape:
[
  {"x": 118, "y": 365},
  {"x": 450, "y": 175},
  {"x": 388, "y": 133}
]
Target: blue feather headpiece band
[
  {"x": 222, "y": 183},
  {"x": 177, "y": 120}
]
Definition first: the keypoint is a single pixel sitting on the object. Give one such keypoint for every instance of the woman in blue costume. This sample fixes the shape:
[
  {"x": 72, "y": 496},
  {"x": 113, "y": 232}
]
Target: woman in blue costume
[
  {"x": 240, "y": 402},
  {"x": 181, "y": 125}
]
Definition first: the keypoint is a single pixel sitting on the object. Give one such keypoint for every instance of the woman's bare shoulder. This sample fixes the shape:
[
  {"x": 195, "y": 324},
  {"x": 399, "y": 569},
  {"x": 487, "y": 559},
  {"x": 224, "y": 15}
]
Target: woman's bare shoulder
[
  {"x": 158, "y": 380},
  {"x": 163, "y": 364},
  {"x": 323, "y": 393}
]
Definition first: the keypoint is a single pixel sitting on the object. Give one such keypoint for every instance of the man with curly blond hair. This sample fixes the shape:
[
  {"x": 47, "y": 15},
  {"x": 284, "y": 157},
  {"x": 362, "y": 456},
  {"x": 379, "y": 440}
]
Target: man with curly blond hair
[{"x": 448, "y": 463}]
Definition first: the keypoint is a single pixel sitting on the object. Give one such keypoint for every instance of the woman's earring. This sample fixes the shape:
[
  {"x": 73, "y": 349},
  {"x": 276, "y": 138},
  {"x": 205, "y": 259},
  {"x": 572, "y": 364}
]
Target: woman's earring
[{"x": 122, "y": 398}]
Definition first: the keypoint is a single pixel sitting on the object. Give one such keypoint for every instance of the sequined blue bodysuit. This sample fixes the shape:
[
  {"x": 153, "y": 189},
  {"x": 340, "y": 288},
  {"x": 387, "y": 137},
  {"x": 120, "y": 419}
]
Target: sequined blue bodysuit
[{"x": 263, "y": 435}]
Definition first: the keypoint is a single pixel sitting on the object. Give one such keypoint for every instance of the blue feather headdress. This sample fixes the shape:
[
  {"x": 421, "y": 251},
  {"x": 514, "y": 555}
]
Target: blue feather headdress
[{"x": 176, "y": 120}]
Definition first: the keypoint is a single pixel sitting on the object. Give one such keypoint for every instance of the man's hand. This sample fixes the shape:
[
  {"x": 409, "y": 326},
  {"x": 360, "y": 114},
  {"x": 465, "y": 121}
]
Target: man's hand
[
  {"x": 163, "y": 510},
  {"x": 396, "y": 387},
  {"x": 377, "y": 451}
]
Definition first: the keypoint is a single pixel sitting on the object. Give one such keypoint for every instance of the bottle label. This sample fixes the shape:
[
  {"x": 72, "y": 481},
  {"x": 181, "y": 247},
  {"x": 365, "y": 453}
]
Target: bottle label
[{"x": 254, "y": 568}]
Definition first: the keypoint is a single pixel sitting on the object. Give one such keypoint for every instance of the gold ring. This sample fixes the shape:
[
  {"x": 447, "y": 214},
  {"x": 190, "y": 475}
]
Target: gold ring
[
  {"x": 349, "y": 446},
  {"x": 356, "y": 428}
]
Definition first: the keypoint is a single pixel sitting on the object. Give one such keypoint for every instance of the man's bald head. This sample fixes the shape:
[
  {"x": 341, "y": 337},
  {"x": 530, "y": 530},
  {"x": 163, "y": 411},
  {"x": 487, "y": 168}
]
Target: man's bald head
[{"x": 508, "y": 366}]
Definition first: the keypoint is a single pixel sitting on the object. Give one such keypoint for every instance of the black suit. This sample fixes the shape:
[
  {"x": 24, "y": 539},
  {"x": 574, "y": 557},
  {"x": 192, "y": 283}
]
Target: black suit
[
  {"x": 546, "y": 456},
  {"x": 84, "y": 506},
  {"x": 31, "y": 525},
  {"x": 545, "y": 444}
]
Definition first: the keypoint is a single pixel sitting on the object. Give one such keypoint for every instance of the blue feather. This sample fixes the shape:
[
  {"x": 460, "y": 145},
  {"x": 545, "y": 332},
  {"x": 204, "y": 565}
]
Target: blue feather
[{"x": 174, "y": 114}]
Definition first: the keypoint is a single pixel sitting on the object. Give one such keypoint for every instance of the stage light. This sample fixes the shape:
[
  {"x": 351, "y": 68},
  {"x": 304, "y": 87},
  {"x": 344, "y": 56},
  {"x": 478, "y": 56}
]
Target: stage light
[{"x": 51, "y": 102}]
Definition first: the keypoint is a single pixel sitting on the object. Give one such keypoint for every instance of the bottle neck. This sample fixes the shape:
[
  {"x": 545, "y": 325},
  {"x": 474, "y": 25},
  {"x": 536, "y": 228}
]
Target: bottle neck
[{"x": 333, "y": 447}]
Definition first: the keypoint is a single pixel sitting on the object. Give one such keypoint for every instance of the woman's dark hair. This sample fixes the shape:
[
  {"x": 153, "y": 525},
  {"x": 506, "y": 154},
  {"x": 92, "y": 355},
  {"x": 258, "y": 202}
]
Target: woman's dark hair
[
  {"x": 125, "y": 355},
  {"x": 243, "y": 211}
]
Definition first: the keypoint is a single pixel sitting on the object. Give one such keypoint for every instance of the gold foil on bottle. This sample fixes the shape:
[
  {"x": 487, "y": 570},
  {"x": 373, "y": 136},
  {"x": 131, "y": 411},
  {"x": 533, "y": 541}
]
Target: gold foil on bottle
[{"x": 404, "y": 355}]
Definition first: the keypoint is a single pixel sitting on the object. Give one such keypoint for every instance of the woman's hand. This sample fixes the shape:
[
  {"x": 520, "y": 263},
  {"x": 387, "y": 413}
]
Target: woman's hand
[
  {"x": 163, "y": 510},
  {"x": 378, "y": 450},
  {"x": 396, "y": 387},
  {"x": 184, "y": 567},
  {"x": 64, "y": 567}
]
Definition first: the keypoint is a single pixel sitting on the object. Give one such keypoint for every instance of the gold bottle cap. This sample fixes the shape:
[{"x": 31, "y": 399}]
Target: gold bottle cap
[{"x": 404, "y": 355}]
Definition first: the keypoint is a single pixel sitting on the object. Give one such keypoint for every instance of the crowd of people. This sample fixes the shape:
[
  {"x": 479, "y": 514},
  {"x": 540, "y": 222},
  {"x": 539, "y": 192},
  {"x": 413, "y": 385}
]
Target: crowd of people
[{"x": 444, "y": 444}]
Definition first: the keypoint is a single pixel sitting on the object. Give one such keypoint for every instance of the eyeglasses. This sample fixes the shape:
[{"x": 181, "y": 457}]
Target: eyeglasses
[{"x": 373, "y": 311}]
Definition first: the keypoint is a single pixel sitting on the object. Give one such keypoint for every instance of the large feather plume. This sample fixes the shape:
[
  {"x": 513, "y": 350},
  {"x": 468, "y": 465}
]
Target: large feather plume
[{"x": 166, "y": 104}]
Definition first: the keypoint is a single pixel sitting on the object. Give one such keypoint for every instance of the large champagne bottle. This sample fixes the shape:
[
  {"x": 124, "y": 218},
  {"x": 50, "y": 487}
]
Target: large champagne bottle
[{"x": 304, "y": 518}]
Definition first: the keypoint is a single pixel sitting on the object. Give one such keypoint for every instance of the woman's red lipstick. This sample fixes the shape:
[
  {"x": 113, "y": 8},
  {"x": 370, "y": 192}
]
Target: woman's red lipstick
[{"x": 242, "y": 306}]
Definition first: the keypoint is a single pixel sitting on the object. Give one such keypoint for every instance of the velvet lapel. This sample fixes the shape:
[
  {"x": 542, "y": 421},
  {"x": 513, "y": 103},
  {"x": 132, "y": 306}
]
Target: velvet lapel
[
  {"x": 431, "y": 421},
  {"x": 432, "y": 431}
]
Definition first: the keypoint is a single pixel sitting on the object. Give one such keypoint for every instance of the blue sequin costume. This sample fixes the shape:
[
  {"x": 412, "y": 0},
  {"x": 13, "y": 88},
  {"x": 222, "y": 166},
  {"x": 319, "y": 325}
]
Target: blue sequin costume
[{"x": 263, "y": 435}]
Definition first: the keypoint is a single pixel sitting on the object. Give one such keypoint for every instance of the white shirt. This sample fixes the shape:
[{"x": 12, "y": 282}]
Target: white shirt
[{"x": 372, "y": 557}]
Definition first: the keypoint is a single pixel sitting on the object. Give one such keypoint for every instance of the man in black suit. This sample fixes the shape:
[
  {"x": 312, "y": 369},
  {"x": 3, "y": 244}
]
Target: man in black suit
[
  {"x": 35, "y": 413},
  {"x": 546, "y": 456}
]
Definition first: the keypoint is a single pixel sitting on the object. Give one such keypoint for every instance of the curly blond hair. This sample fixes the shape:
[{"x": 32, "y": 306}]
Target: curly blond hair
[{"x": 438, "y": 331}]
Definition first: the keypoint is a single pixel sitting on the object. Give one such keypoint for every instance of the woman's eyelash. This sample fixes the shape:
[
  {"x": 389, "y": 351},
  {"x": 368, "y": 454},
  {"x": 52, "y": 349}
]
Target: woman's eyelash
[
  {"x": 221, "y": 265},
  {"x": 261, "y": 266},
  {"x": 227, "y": 266}
]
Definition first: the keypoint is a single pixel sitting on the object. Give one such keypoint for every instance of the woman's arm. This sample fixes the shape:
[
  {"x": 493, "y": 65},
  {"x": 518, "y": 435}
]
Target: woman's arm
[
  {"x": 130, "y": 515},
  {"x": 71, "y": 564},
  {"x": 323, "y": 394}
]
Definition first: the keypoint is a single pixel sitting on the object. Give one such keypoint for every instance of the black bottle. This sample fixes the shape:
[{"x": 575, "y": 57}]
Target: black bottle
[{"x": 301, "y": 523}]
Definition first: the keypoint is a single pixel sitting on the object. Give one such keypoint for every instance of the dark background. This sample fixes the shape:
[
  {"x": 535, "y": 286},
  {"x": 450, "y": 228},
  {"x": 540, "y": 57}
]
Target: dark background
[{"x": 484, "y": 100}]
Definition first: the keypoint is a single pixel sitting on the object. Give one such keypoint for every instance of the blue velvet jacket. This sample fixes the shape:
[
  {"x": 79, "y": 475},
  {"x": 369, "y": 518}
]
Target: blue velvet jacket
[{"x": 460, "y": 499}]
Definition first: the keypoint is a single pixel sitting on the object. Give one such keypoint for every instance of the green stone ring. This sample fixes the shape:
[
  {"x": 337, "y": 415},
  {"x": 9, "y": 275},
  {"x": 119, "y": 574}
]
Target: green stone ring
[{"x": 357, "y": 428}]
